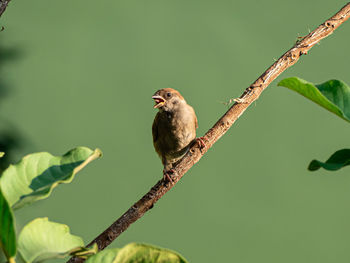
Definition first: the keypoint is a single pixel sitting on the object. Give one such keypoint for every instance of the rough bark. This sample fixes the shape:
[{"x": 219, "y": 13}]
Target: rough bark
[{"x": 3, "y": 6}]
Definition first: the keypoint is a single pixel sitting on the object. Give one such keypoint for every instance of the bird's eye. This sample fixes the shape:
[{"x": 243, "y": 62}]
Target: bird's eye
[{"x": 168, "y": 94}]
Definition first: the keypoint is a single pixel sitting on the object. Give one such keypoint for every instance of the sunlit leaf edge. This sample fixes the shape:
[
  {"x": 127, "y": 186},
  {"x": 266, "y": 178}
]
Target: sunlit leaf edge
[
  {"x": 112, "y": 255},
  {"x": 46, "y": 190},
  {"x": 38, "y": 254},
  {"x": 323, "y": 101},
  {"x": 21, "y": 202}
]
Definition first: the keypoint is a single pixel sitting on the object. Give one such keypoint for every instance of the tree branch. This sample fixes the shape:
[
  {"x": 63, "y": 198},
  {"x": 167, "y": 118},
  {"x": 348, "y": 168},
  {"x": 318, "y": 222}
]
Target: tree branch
[
  {"x": 3, "y": 5},
  {"x": 251, "y": 94}
]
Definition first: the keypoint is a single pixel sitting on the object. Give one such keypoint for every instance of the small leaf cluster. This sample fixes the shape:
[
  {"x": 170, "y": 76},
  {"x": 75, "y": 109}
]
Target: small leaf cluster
[
  {"x": 334, "y": 96},
  {"x": 33, "y": 179}
]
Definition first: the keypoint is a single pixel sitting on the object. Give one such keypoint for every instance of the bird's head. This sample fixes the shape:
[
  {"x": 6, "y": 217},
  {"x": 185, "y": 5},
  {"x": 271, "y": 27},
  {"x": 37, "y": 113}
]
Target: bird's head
[{"x": 167, "y": 99}]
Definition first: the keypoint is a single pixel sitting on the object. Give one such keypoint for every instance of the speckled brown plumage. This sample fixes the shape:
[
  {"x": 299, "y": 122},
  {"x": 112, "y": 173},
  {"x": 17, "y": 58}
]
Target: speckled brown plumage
[{"x": 174, "y": 127}]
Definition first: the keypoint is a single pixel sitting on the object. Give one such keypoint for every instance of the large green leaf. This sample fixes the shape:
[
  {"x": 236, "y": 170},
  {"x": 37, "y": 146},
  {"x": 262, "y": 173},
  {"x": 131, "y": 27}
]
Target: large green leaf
[
  {"x": 7, "y": 229},
  {"x": 338, "y": 160},
  {"x": 42, "y": 239},
  {"x": 34, "y": 177},
  {"x": 134, "y": 253},
  {"x": 333, "y": 95}
]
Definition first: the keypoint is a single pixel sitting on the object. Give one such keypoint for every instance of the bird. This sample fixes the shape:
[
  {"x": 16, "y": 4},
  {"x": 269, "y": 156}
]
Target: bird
[{"x": 174, "y": 128}]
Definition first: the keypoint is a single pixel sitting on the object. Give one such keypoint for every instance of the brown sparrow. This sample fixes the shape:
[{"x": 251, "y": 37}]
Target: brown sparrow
[{"x": 174, "y": 127}]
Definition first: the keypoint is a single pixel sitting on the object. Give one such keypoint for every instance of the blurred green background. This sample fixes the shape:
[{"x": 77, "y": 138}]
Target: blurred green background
[{"x": 83, "y": 73}]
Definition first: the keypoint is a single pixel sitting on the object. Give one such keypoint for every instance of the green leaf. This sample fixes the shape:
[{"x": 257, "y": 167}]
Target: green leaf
[
  {"x": 2, "y": 154},
  {"x": 136, "y": 252},
  {"x": 35, "y": 176},
  {"x": 333, "y": 95},
  {"x": 42, "y": 239},
  {"x": 338, "y": 160},
  {"x": 7, "y": 229}
]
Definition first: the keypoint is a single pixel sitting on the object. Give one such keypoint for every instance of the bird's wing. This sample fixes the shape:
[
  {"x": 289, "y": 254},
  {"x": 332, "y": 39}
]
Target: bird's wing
[{"x": 155, "y": 128}]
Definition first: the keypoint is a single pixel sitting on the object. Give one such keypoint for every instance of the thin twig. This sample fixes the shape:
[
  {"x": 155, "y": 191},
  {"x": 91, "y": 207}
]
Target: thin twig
[
  {"x": 251, "y": 94},
  {"x": 3, "y": 5}
]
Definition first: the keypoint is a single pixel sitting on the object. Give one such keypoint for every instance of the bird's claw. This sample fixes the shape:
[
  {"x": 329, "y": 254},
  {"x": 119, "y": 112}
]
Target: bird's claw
[
  {"x": 201, "y": 143},
  {"x": 166, "y": 175}
]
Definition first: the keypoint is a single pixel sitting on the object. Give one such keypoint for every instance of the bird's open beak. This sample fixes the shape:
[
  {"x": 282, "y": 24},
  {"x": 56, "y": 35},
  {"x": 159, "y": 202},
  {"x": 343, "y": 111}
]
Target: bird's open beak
[{"x": 159, "y": 100}]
